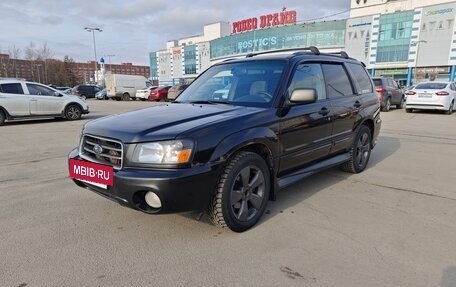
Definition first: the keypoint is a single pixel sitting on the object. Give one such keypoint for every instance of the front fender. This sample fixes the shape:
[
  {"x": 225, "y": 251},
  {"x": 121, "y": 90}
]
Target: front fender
[{"x": 239, "y": 140}]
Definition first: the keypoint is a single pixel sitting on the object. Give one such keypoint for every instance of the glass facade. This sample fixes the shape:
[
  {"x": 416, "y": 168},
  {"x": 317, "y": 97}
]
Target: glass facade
[
  {"x": 153, "y": 65},
  {"x": 190, "y": 60},
  {"x": 321, "y": 34},
  {"x": 394, "y": 37}
]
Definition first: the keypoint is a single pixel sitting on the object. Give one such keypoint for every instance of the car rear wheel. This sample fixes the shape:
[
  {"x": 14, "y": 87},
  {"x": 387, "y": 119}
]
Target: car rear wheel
[
  {"x": 360, "y": 151},
  {"x": 73, "y": 112},
  {"x": 242, "y": 192},
  {"x": 401, "y": 104},
  {"x": 450, "y": 109},
  {"x": 125, "y": 97},
  {"x": 387, "y": 105},
  {"x": 408, "y": 110},
  {"x": 2, "y": 117}
]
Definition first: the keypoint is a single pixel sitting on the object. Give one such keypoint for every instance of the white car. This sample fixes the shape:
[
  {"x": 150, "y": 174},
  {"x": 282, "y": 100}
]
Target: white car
[
  {"x": 431, "y": 96},
  {"x": 20, "y": 99},
  {"x": 143, "y": 94}
]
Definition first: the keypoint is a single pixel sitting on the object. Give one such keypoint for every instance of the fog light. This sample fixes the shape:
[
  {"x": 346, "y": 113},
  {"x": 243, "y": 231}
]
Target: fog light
[{"x": 153, "y": 200}]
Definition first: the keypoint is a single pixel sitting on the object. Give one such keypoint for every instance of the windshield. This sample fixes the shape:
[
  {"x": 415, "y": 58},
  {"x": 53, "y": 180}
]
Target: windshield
[
  {"x": 377, "y": 82},
  {"x": 251, "y": 83}
]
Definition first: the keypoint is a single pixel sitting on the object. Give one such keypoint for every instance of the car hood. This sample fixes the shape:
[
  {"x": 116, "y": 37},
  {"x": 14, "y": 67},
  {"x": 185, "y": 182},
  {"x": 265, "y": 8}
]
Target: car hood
[{"x": 165, "y": 122}]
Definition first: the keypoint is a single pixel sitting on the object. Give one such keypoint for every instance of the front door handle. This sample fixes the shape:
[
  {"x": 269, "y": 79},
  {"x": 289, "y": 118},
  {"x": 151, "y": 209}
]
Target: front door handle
[{"x": 324, "y": 111}]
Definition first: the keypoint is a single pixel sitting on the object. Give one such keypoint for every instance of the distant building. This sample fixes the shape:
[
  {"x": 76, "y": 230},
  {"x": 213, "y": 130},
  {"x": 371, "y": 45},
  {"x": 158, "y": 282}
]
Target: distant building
[
  {"x": 409, "y": 40},
  {"x": 34, "y": 70}
]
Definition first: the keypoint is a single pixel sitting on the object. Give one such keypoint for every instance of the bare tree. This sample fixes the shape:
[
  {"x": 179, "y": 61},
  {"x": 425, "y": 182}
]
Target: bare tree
[
  {"x": 14, "y": 54},
  {"x": 45, "y": 54},
  {"x": 31, "y": 55}
]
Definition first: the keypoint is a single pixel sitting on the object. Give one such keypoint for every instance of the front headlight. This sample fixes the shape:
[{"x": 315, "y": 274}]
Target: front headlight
[{"x": 164, "y": 152}]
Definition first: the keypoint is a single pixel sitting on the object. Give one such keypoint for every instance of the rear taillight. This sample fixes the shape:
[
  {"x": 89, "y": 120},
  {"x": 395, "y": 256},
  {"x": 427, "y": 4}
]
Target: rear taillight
[
  {"x": 410, "y": 93},
  {"x": 442, "y": 93},
  {"x": 379, "y": 90}
]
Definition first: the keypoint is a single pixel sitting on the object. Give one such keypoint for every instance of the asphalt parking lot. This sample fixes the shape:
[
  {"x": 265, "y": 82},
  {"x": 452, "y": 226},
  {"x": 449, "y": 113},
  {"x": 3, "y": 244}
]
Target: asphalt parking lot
[{"x": 392, "y": 225}]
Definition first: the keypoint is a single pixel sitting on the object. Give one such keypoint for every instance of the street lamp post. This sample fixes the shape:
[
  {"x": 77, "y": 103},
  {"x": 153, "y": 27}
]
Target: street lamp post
[
  {"x": 109, "y": 57},
  {"x": 417, "y": 43},
  {"x": 93, "y": 29}
]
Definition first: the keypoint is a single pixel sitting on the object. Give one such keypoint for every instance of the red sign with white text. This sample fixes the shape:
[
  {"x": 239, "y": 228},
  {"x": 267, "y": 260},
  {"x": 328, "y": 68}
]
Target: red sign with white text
[
  {"x": 268, "y": 20},
  {"x": 92, "y": 172}
]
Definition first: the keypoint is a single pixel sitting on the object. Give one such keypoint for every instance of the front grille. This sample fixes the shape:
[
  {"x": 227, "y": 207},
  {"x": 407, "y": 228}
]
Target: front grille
[{"x": 102, "y": 150}]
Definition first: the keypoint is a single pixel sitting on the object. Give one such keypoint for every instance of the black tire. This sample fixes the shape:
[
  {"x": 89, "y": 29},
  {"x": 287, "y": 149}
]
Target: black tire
[
  {"x": 242, "y": 192},
  {"x": 359, "y": 152},
  {"x": 125, "y": 97},
  {"x": 73, "y": 112},
  {"x": 408, "y": 110},
  {"x": 118, "y": 98},
  {"x": 143, "y": 99},
  {"x": 401, "y": 104},
  {"x": 387, "y": 106},
  {"x": 450, "y": 109},
  {"x": 2, "y": 118}
]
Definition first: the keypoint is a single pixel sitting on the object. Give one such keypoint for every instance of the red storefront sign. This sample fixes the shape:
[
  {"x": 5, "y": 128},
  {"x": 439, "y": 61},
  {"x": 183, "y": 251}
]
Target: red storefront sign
[{"x": 264, "y": 21}]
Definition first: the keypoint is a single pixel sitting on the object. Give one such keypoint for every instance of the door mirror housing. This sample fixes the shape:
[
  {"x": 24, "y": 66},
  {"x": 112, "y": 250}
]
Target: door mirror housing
[
  {"x": 57, "y": 94},
  {"x": 303, "y": 96}
]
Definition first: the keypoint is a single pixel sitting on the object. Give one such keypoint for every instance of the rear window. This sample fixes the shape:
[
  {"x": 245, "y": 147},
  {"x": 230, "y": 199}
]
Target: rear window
[
  {"x": 377, "y": 82},
  {"x": 15, "y": 88},
  {"x": 431, "y": 86}
]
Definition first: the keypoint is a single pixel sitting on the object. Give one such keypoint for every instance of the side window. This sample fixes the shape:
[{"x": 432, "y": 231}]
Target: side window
[
  {"x": 362, "y": 79},
  {"x": 337, "y": 81},
  {"x": 39, "y": 90},
  {"x": 15, "y": 88},
  {"x": 390, "y": 83},
  {"x": 308, "y": 76}
]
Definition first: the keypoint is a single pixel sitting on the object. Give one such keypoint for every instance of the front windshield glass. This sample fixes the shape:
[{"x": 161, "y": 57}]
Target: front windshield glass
[{"x": 250, "y": 83}]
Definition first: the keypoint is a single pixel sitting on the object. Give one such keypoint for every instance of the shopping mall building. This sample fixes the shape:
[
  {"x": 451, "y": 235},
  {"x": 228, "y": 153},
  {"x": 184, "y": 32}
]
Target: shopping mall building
[{"x": 409, "y": 40}]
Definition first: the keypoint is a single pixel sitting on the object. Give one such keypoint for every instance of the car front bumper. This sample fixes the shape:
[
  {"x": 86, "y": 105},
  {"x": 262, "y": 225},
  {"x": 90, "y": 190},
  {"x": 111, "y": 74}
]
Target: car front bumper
[{"x": 178, "y": 189}]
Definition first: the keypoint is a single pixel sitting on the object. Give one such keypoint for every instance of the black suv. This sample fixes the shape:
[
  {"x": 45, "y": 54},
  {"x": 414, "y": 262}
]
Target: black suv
[
  {"x": 285, "y": 117},
  {"x": 389, "y": 93},
  {"x": 86, "y": 91}
]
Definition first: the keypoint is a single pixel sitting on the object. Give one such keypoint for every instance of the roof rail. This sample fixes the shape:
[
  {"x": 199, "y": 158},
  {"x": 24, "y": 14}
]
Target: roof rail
[
  {"x": 341, "y": 53},
  {"x": 312, "y": 49}
]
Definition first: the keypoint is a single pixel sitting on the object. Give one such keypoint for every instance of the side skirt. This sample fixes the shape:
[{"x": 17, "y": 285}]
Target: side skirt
[{"x": 317, "y": 167}]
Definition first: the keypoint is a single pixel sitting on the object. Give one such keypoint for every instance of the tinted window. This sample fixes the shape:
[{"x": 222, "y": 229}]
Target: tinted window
[
  {"x": 308, "y": 76},
  {"x": 378, "y": 82},
  {"x": 337, "y": 82},
  {"x": 362, "y": 79},
  {"x": 15, "y": 88},
  {"x": 431, "y": 86},
  {"x": 39, "y": 90}
]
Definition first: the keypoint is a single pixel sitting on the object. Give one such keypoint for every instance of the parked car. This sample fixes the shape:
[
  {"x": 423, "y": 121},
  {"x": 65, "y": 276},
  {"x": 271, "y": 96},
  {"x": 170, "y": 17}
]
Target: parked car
[
  {"x": 101, "y": 95},
  {"x": 431, "y": 96},
  {"x": 286, "y": 117},
  {"x": 62, "y": 88},
  {"x": 389, "y": 93},
  {"x": 20, "y": 99},
  {"x": 86, "y": 91},
  {"x": 124, "y": 87},
  {"x": 159, "y": 94},
  {"x": 144, "y": 94},
  {"x": 175, "y": 91}
]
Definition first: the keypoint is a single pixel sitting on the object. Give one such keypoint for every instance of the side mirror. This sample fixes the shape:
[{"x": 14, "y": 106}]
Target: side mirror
[
  {"x": 57, "y": 94},
  {"x": 303, "y": 96}
]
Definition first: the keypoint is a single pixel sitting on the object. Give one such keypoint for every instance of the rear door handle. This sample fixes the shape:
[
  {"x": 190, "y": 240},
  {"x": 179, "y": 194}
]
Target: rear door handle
[
  {"x": 324, "y": 111},
  {"x": 357, "y": 104}
]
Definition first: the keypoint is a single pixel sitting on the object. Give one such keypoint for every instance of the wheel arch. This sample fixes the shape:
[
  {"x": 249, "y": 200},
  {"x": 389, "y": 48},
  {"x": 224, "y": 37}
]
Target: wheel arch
[
  {"x": 5, "y": 112},
  {"x": 69, "y": 104},
  {"x": 262, "y": 141}
]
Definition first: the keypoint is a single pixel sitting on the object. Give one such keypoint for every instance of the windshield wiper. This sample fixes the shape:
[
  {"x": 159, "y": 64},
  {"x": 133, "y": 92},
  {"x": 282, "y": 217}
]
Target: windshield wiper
[{"x": 208, "y": 102}]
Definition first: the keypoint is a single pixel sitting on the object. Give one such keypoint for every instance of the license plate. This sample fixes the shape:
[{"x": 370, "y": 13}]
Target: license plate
[
  {"x": 93, "y": 173},
  {"x": 424, "y": 95}
]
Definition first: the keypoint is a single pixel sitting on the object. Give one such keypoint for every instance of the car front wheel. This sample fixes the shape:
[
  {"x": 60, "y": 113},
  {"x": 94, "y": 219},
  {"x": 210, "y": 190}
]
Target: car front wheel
[
  {"x": 73, "y": 112},
  {"x": 450, "y": 109},
  {"x": 360, "y": 151},
  {"x": 2, "y": 117},
  {"x": 242, "y": 192}
]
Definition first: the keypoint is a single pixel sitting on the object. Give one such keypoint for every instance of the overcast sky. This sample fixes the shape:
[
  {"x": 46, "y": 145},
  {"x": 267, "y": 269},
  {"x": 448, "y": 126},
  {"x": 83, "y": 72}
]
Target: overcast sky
[{"x": 131, "y": 28}]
